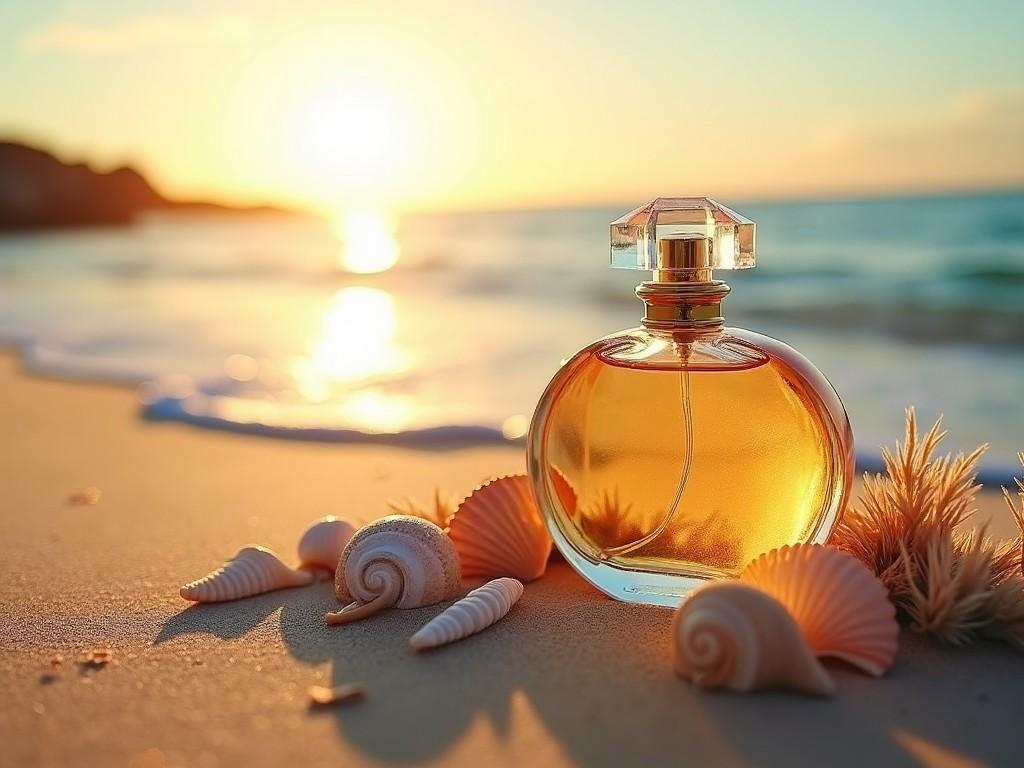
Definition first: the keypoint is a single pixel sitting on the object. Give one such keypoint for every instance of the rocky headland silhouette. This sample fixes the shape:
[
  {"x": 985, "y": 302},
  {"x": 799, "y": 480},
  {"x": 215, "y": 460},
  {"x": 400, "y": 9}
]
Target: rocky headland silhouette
[{"x": 39, "y": 191}]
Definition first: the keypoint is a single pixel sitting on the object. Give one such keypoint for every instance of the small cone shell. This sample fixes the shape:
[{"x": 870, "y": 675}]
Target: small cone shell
[
  {"x": 731, "y": 635},
  {"x": 473, "y": 613},
  {"x": 400, "y": 561},
  {"x": 323, "y": 542},
  {"x": 253, "y": 571},
  {"x": 498, "y": 531},
  {"x": 842, "y": 609}
]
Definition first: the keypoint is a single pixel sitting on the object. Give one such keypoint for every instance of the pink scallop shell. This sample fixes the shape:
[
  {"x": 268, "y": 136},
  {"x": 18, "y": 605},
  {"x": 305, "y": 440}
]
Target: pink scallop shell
[
  {"x": 564, "y": 489},
  {"x": 842, "y": 609},
  {"x": 498, "y": 531}
]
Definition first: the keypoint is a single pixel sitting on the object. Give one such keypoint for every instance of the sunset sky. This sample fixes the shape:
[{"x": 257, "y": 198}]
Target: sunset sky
[{"x": 489, "y": 104}]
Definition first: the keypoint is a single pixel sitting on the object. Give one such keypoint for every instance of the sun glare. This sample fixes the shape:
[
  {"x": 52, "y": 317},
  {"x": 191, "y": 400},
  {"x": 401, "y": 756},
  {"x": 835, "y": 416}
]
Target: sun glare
[
  {"x": 368, "y": 242},
  {"x": 351, "y": 144},
  {"x": 349, "y": 133},
  {"x": 355, "y": 352},
  {"x": 356, "y": 342}
]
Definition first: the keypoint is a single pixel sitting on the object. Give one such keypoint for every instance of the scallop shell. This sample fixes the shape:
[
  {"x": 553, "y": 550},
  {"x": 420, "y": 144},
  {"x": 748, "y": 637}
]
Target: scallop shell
[
  {"x": 842, "y": 609},
  {"x": 498, "y": 531},
  {"x": 399, "y": 561},
  {"x": 323, "y": 542},
  {"x": 473, "y": 613},
  {"x": 730, "y": 635},
  {"x": 253, "y": 571},
  {"x": 564, "y": 490}
]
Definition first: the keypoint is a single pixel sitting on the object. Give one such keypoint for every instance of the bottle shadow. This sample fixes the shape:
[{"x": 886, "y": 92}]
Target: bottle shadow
[{"x": 594, "y": 673}]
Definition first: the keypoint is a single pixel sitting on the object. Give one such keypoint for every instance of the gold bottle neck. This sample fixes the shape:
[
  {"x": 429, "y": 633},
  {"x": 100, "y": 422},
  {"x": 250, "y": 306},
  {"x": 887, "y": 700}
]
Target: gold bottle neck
[{"x": 689, "y": 300}]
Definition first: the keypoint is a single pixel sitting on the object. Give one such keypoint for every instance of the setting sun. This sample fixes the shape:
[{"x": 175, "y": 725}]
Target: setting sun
[{"x": 347, "y": 138}]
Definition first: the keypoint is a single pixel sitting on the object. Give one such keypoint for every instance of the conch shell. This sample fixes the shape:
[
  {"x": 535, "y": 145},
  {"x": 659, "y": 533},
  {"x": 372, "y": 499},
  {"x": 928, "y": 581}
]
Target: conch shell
[
  {"x": 253, "y": 571},
  {"x": 473, "y": 613},
  {"x": 323, "y": 542},
  {"x": 399, "y": 561},
  {"x": 842, "y": 609},
  {"x": 731, "y": 635},
  {"x": 498, "y": 531}
]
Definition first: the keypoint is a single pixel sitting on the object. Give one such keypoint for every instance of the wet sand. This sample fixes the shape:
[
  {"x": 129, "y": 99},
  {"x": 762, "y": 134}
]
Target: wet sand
[{"x": 568, "y": 678}]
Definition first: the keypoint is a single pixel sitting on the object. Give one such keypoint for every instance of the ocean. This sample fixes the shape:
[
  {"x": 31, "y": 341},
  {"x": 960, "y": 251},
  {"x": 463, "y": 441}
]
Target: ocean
[{"x": 271, "y": 324}]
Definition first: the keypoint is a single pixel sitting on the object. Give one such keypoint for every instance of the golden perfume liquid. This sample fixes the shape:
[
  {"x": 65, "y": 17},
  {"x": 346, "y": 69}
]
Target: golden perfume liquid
[{"x": 679, "y": 451}]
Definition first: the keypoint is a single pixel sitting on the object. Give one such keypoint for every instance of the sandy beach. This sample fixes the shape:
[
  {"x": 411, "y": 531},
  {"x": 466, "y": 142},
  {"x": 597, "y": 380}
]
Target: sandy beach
[{"x": 568, "y": 678}]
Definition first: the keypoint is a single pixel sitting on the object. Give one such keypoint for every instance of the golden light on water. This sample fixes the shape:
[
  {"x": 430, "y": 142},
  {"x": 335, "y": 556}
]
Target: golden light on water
[
  {"x": 354, "y": 353},
  {"x": 356, "y": 343},
  {"x": 377, "y": 411},
  {"x": 368, "y": 242}
]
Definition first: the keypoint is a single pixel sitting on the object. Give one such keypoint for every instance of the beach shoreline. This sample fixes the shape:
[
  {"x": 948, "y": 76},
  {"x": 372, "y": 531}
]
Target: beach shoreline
[{"x": 569, "y": 677}]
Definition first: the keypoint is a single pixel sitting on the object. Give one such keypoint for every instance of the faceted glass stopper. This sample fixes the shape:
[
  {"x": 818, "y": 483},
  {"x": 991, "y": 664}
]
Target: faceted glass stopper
[{"x": 648, "y": 237}]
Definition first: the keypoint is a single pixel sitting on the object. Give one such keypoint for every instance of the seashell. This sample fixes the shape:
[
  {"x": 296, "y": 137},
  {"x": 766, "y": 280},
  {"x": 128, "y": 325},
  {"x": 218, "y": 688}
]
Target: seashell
[
  {"x": 473, "y": 613},
  {"x": 323, "y": 542},
  {"x": 398, "y": 560},
  {"x": 253, "y": 571},
  {"x": 498, "y": 531},
  {"x": 564, "y": 489},
  {"x": 842, "y": 609},
  {"x": 731, "y": 635}
]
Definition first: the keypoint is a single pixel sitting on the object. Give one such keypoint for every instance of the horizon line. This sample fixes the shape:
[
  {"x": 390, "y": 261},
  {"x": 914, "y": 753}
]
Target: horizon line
[{"x": 309, "y": 208}]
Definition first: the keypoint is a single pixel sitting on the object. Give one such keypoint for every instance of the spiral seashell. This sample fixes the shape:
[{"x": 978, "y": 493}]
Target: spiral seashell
[
  {"x": 399, "y": 561},
  {"x": 473, "y": 613},
  {"x": 323, "y": 542},
  {"x": 498, "y": 531},
  {"x": 842, "y": 609},
  {"x": 731, "y": 635},
  {"x": 253, "y": 571}
]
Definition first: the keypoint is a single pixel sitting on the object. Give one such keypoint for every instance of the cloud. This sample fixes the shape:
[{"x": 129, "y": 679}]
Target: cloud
[{"x": 138, "y": 32}]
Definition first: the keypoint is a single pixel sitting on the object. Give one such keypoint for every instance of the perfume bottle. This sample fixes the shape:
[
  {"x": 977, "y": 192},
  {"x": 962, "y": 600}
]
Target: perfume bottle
[{"x": 676, "y": 452}]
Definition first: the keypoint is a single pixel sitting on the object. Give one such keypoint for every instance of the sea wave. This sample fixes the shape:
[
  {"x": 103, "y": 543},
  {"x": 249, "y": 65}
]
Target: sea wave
[
  {"x": 898, "y": 302},
  {"x": 227, "y": 405}
]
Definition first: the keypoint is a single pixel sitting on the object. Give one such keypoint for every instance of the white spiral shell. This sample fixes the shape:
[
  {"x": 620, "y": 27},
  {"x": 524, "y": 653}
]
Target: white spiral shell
[
  {"x": 253, "y": 571},
  {"x": 842, "y": 609},
  {"x": 730, "y": 635},
  {"x": 399, "y": 561},
  {"x": 475, "y": 612},
  {"x": 323, "y": 542}
]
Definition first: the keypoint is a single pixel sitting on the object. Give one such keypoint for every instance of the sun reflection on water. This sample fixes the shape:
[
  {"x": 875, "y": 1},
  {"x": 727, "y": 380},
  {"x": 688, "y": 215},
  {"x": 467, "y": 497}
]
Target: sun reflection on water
[
  {"x": 368, "y": 242},
  {"x": 354, "y": 354}
]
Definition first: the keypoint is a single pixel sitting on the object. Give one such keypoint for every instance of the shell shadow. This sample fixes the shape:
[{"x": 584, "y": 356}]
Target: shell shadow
[
  {"x": 227, "y": 620},
  {"x": 558, "y": 663},
  {"x": 594, "y": 673},
  {"x": 413, "y": 710}
]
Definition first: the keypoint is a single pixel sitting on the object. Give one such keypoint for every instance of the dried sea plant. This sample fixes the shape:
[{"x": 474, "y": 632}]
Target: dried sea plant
[
  {"x": 611, "y": 523},
  {"x": 1017, "y": 510},
  {"x": 437, "y": 513},
  {"x": 954, "y": 585}
]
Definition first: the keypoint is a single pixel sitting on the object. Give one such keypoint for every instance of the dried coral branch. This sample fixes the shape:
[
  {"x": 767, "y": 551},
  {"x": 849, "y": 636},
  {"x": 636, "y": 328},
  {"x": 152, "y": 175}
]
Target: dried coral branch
[
  {"x": 954, "y": 586},
  {"x": 443, "y": 507},
  {"x": 609, "y": 522},
  {"x": 1017, "y": 510}
]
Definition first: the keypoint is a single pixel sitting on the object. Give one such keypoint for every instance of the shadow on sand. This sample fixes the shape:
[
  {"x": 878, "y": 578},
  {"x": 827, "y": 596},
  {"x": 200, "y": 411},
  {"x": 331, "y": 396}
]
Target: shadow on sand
[{"x": 598, "y": 678}]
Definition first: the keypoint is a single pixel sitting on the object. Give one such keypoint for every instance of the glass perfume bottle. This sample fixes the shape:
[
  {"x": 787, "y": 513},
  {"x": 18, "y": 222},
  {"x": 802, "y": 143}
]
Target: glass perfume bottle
[{"x": 676, "y": 452}]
